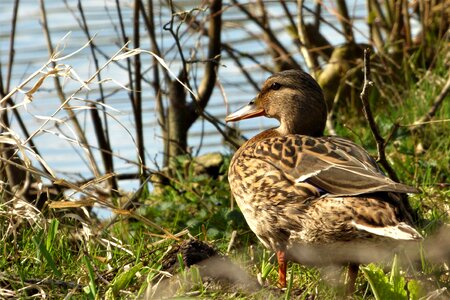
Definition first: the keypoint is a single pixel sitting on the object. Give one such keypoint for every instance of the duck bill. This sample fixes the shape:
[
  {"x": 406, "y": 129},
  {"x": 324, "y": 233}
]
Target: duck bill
[{"x": 246, "y": 112}]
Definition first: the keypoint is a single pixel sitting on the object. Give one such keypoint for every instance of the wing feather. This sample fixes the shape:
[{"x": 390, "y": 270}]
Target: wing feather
[{"x": 335, "y": 165}]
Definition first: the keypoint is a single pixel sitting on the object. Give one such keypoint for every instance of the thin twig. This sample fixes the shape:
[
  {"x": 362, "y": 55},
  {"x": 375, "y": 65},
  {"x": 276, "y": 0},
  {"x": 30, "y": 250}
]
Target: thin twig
[
  {"x": 381, "y": 143},
  {"x": 248, "y": 56},
  {"x": 274, "y": 43},
  {"x": 303, "y": 37},
  {"x": 434, "y": 108},
  {"x": 101, "y": 130},
  {"x": 62, "y": 97},
  {"x": 128, "y": 59},
  {"x": 137, "y": 98},
  {"x": 376, "y": 24},
  {"x": 344, "y": 19},
  {"x": 12, "y": 40},
  {"x": 4, "y": 90},
  {"x": 364, "y": 98},
  {"x": 288, "y": 14},
  {"x": 156, "y": 82},
  {"x": 406, "y": 23},
  {"x": 46, "y": 281},
  {"x": 207, "y": 84},
  {"x": 231, "y": 243},
  {"x": 241, "y": 67},
  {"x": 198, "y": 102}
]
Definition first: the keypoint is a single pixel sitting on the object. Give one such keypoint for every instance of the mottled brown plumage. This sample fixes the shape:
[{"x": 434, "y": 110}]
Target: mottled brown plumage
[{"x": 304, "y": 194}]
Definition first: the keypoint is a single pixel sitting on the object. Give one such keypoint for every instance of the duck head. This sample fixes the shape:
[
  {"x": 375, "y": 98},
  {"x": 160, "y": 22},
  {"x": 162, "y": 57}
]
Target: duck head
[{"x": 292, "y": 97}]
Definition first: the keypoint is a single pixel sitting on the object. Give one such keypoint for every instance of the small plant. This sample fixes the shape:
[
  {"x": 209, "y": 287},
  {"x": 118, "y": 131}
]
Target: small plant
[
  {"x": 267, "y": 265},
  {"x": 122, "y": 281},
  {"x": 393, "y": 287},
  {"x": 196, "y": 201},
  {"x": 91, "y": 288}
]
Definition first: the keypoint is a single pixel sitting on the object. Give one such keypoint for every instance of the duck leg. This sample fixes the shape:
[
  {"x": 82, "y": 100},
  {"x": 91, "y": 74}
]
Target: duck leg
[
  {"x": 351, "y": 278},
  {"x": 282, "y": 266}
]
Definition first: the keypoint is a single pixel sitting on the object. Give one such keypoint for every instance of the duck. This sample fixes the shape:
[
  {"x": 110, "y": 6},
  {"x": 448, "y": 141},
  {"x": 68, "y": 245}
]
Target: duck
[{"x": 311, "y": 198}]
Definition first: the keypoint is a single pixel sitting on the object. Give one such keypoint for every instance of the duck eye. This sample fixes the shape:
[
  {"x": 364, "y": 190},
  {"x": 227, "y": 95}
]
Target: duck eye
[{"x": 275, "y": 86}]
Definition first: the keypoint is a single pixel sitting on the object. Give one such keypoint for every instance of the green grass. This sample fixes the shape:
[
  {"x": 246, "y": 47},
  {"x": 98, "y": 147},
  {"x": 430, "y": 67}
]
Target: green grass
[
  {"x": 59, "y": 257},
  {"x": 64, "y": 255}
]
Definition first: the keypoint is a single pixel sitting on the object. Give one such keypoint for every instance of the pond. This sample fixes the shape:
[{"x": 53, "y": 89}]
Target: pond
[{"x": 55, "y": 138}]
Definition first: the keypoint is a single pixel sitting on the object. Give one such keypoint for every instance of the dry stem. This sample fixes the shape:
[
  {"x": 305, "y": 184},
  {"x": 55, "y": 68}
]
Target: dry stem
[
  {"x": 434, "y": 108},
  {"x": 381, "y": 143}
]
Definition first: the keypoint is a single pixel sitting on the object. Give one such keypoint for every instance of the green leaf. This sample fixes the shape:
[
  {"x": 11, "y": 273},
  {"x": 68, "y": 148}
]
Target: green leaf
[
  {"x": 196, "y": 276},
  {"x": 43, "y": 250},
  {"x": 266, "y": 265},
  {"x": 396, "y": 280},
  {"x": 377, "y": 280},
  {"x": 52, "y": 231},
  {"x": 181, "y": 262},
  {"x": 415, "y": 290},
  {"x": 122, "y": 280},
  {"x": 92, "y": 287},
  {"x": 287, "y": 296},
  {"x": 381, "y": 285}
]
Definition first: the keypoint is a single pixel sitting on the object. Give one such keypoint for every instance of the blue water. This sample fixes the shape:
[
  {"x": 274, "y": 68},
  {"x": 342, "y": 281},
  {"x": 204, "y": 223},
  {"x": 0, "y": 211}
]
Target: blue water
[{"x": 67, "y": 158}]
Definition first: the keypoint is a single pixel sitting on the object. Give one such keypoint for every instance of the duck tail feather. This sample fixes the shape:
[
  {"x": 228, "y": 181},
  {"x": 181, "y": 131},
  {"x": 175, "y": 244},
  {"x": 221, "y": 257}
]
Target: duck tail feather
[{"x": 400, "y": 231}]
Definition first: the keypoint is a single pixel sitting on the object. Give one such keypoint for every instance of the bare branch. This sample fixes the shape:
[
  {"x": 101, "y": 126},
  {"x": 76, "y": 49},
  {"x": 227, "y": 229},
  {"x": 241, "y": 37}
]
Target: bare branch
[
  {"x": 434, "y": 108},
  {"x": 12, "y": 51},
  {"x": 62, "y": 96},
  {"x": 286, "y": 61},
  {"x": 375, "y": 24},
  {"x": 156, "y": 82},
  {"x": 13, "y": 175},
  {"x": 317, "y": 16},
  {"x": 241, "y": 67},
  {"x": 365, "y": 95},
  {"x": 214, "y": 46},
  {"x": 345, "y": 20},
  {"x": 248, "y": 56},
  {"x": 396, "y": 34},
  {"x": 125, "y": 40},
  {"x": 303, "y": 37},
  {"x": 288, "y": 14},
  {"x": 406, "y": 23},
  {"x": 101, "y": 130},
  {"x": 381, "y": 143},
  {"x": 137, "y": 92}
]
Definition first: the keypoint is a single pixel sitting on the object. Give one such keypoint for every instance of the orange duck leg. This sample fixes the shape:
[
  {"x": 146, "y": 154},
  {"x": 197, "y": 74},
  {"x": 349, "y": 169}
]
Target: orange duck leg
[{"x": 282, "y": 267}]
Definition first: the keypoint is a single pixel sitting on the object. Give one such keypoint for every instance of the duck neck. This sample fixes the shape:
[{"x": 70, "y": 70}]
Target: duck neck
[
  {"x": 308, "y": 129},
  {"x": 283, "y": 129}
]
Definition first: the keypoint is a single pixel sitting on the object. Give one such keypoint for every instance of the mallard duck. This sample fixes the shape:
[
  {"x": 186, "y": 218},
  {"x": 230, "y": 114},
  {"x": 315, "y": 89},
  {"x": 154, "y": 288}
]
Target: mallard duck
[{"x": 310, "y": 197}]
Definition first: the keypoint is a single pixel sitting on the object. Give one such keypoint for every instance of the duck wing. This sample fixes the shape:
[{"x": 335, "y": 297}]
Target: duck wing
[{"x": 334, "y": 165}]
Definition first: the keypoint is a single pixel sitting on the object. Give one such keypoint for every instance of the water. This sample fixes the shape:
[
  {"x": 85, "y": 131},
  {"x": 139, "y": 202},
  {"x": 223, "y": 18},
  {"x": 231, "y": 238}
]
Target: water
[{"x": 67, "y": 158}]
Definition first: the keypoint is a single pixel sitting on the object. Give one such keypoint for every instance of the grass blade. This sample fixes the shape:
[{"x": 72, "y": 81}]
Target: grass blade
[
  {"x": 92, "y": 289},
  {"x": 47, "y": 255}
]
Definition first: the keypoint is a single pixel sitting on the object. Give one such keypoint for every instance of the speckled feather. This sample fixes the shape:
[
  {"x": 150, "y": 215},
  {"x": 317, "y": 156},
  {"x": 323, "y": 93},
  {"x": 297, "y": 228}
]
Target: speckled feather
[
  {"x": 283, "y": 210},
  {"x": 335, "y": 165},
  {"x": 297, "y": 187}
]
